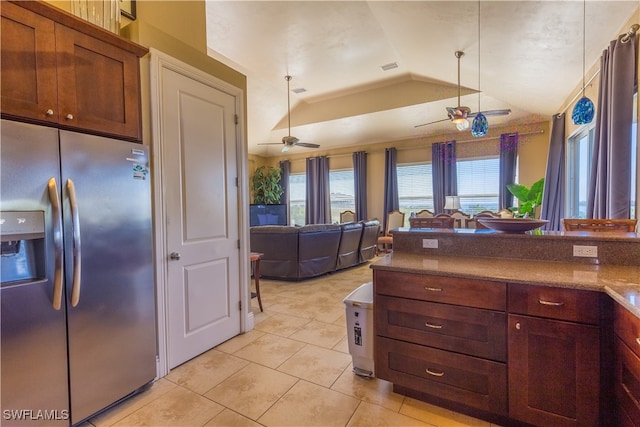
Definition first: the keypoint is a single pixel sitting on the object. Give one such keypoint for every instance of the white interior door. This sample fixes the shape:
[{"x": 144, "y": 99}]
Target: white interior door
[{"x": 198, "y": 134}]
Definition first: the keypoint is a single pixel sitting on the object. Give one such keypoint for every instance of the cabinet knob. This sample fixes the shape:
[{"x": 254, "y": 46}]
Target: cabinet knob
[
  {"x": 69, "y": 116},
  {"x": 518, "y": 325},
  {"x": 49, "y": 112}
]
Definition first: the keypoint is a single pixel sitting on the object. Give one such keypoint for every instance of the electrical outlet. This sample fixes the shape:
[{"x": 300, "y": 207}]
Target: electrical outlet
[
  {"x": 585, "y": 251},
  {"x": 430, "y": 243}
]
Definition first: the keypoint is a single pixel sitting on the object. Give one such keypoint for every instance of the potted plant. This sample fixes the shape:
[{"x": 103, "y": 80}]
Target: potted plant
[
  {"x": 529, "y": 198},
  {"x": 266, "y": 186}
]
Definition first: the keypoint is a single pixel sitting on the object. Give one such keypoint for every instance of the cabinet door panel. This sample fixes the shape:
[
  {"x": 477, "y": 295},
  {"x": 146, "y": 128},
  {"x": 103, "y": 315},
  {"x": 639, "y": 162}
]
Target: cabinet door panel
[
  {"x": 627, "y": 327},
  {"x": 27, "y": 48},
  {"x": 627, "y": 382},
  {"x": 472, "y": 331},
  {"x": 554, "y": 374},
  {"x": 99, "y": 85}
]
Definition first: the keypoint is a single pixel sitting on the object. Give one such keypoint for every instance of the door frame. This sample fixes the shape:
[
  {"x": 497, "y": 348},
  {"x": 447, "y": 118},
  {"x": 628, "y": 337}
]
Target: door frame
[{"x": 160, "y": 61}]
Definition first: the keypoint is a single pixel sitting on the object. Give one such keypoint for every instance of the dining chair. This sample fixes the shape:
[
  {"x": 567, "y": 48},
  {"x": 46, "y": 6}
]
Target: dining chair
[
  {"x": 599, "y": 225},
  {"x": 347, "y": 216},
  {"x": 395, "y": 219},
  {"x": 424, "y": 213},
  {"x": 460, "y": 218},
  {"x": 483, "y": 214},
  {"x": 435, "y": 222}
]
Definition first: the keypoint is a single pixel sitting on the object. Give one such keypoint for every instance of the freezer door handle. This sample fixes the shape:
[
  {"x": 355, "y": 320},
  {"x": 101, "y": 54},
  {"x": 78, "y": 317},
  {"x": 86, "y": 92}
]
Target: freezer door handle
[
  {"x": 57, "y": 243},
  {"x": 77, "y": 249}
]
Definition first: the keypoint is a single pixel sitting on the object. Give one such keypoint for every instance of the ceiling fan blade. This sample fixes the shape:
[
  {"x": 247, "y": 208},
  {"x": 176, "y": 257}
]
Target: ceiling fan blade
[
  {"x": 306, "y": 144},
  {"x": 269, "y": 143},
  {"x": 430, "y": 123},
  {"x": 487, "y": 113}
]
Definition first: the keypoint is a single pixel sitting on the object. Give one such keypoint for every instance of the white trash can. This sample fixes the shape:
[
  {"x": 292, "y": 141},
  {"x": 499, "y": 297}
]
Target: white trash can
[{"x": 359, "y": 306}]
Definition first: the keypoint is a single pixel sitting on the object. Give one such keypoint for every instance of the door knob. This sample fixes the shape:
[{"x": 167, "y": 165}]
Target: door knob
[{"x": 175, "y": 256}]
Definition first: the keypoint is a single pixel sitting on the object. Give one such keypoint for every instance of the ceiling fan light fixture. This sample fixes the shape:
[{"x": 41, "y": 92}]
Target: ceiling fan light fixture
[
  {"x": 463, "y": 125},
  {"x": 479, "y": 126}
]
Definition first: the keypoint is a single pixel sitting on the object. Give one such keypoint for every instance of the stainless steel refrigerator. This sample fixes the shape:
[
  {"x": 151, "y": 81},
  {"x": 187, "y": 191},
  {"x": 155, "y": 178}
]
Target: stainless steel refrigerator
[{"x": 77, "y": 288}]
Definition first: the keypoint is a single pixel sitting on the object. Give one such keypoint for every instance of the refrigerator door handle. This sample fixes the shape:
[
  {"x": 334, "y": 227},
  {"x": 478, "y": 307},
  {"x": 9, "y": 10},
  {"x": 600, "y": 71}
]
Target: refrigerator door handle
[
  {"x": 77, "y": 250},
  {"x": 57, "y": 243}
]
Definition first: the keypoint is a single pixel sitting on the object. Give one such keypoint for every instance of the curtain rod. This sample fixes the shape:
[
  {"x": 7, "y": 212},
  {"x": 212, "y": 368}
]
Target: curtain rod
[
  {"x": 422, "y": 145},
  {"x": 536, "y": 132}
]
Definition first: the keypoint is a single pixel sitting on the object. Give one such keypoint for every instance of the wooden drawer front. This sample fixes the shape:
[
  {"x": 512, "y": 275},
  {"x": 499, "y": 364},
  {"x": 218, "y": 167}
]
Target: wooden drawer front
[
  {"x": 474, "y": 382},
  {"x": 555, "y": 303},
  {"x": 627, "y": 384},
  {"x": 450, "y": 290},
  {"x": 471, "y": 331},
  {"x": 627, "y": 327}
]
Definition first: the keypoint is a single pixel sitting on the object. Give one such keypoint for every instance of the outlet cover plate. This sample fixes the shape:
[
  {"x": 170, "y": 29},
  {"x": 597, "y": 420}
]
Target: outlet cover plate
[
  {"x": 430, "y": 243},
  {"x": 585, "y": 251}
]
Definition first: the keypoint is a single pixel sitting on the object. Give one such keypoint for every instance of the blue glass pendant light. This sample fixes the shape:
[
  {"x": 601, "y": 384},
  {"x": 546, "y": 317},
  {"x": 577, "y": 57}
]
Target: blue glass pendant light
[
  {"x": 480, "y": 126},
  {"x": 584, "y": 110}
]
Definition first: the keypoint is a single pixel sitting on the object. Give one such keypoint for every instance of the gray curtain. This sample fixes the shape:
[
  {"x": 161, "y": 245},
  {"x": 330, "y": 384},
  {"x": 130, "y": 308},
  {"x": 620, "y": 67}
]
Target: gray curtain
[
  {"x": 444, "y": 173},
  {"x": 391, "y": 200},
  {"x": 508, "y": 164},
  {"x": 553, "y": 195},
  {"x": 318, "y": 203},
  {"x": 360, "y": 184},
  {"x": 285, "y": 171},
  {"x": 610, "y": 182}
]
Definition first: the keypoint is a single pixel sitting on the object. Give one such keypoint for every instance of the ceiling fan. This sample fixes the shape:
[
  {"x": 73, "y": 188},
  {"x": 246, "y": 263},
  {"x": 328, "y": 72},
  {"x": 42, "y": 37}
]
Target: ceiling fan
[
  {"x": 289, "y": 141},
  {"x": 459, "y": 115}
]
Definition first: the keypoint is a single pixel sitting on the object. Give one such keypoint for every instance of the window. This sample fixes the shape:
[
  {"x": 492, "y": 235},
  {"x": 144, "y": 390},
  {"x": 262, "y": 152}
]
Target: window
[
  {"x": 415, "y": 188},
  {"x": 297, "y": 198},
  {"x": 342, "y": 192},
  {"x": 478, "y": 184},
  {"x": 579, "y": 154}
]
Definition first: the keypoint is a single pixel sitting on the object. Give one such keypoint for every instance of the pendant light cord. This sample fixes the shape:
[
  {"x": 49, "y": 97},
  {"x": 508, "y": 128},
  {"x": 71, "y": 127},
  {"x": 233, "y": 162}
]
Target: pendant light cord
[
  {"x": 584, "y": 37},
  {"x": 288, "y": 79},
  {"x": 478, "y": 56}
]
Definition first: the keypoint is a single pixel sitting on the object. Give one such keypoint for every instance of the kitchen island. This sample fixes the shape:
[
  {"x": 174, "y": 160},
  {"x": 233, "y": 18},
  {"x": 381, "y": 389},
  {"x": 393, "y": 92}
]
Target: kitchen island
[{"x": 512, "y": 328}]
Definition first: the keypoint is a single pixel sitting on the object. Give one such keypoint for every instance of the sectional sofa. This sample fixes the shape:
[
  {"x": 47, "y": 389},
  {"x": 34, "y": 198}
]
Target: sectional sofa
[{"x": 295, "y": 253}]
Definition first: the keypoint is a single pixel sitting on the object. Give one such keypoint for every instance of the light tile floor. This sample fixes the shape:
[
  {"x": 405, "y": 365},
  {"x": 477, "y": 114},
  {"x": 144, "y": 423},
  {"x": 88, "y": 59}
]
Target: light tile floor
[{"x": 293, "y": 369}]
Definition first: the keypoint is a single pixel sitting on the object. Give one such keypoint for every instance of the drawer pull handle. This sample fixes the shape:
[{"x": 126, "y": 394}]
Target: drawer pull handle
[
  {"x": 427, "y": 288},
  {"x": 638, "y": 341},
  {"x": 551, "y": 303},
  {"x": 435, "y": 374},
  {"x": 432, "y": 326}
]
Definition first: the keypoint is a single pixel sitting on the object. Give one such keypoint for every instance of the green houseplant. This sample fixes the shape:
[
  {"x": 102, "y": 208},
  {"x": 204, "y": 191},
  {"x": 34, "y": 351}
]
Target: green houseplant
[
  {"x": 529, "y": 198},
  {"x": 266, "y": 186}
]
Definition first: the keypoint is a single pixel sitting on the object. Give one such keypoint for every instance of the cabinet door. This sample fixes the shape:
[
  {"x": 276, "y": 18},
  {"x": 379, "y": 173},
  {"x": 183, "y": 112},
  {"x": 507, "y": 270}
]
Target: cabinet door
[
  {"x": 554, "y": 374},
  {"x": 99, "y": 85},
  {"x": 28, "y": 74},
  {"x": 627, "y": 385}
]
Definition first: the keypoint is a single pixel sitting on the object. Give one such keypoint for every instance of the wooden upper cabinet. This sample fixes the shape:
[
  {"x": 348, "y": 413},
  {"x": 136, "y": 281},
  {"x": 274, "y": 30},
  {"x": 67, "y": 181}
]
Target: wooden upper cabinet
[
  {"x": 28, "y": 53},
  {"x": 58, "y": 69}
]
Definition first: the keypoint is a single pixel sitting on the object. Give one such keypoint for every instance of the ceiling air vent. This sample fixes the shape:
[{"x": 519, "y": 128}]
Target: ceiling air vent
[{"x": 389, "y": 66}]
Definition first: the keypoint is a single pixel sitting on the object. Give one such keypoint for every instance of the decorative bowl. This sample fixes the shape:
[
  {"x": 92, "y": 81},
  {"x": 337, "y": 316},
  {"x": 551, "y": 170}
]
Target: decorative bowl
[{"x": 512, "y": 225}]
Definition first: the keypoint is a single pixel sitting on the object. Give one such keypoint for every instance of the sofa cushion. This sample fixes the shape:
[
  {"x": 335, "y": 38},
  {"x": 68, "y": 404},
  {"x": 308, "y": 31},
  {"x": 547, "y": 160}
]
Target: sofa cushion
[
  {"x": 369, "y": 240},
  {"x": 279, "y": 244},
  {"x": 317, "y": 249},
  {"x": 349, "y": 249}
]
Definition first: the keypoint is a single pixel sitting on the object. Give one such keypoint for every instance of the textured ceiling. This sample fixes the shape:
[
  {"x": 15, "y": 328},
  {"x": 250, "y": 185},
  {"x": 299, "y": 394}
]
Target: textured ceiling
[{"x": 529, "y": 59}]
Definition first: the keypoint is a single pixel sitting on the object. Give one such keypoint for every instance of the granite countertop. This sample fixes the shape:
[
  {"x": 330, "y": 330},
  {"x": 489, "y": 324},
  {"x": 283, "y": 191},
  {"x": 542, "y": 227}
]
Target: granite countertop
[{"x": 621, "y": 282}]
